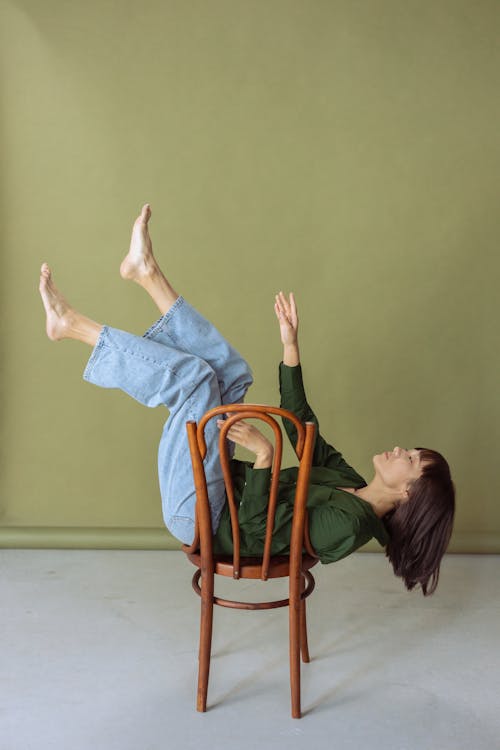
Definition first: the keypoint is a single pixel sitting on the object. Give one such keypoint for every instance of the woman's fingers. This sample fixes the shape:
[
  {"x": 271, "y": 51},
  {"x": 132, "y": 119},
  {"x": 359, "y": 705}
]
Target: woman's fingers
[
  {"x": 281, "y": 315},
  {"x": 237, "y": 432},
  {"x": 286, "y": 309},
  {"x": 282, "y": 304},
  {"x": 293, "y": 306},
  {"x": 285, "y": 304},
  {"x": 278, "y": 306}
]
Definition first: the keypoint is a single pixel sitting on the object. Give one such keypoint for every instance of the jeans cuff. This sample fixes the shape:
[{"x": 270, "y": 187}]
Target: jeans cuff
[
  {"x": 158, "y": 325},
  {"x": 95, "y": 354}
]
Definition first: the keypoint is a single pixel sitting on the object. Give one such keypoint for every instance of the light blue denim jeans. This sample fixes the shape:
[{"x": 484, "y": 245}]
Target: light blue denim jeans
[{"x": 185, "y": 364}]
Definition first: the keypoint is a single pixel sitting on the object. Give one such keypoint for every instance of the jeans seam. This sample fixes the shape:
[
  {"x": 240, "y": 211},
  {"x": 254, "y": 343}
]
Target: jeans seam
[
  {"x": 181, "y": 518},
  {"x": 161, "y": 365},
  {"x": 142, "y": 357}
]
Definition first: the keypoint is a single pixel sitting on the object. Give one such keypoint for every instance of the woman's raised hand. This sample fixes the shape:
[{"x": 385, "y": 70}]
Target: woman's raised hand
[{"x": 286, "y": 312}]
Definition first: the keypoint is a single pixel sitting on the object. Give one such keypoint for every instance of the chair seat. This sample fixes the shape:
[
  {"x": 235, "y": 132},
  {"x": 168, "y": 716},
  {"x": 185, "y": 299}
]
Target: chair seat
[{"x": 250, "y": 567}]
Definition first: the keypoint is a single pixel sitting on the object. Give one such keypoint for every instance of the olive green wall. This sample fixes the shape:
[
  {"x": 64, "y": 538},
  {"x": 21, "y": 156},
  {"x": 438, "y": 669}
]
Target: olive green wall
[{"x": 345, "y": 150}]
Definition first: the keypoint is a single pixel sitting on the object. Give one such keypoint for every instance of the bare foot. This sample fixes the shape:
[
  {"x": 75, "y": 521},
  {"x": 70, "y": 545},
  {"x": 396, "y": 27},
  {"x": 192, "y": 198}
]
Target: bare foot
[
  {"x": 59, "y": 313},
  {"x": 139, "y": 262},
  {"x": 140, "y": 265}
]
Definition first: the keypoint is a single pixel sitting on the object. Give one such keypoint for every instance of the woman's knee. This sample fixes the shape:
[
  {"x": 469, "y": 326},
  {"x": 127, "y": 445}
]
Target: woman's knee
[
  {"x": 238, "y": 382},
  {"x": 204, "y": 378},
  {"x": 246, "y": 374},
  {"x": 181, "y": 528}
]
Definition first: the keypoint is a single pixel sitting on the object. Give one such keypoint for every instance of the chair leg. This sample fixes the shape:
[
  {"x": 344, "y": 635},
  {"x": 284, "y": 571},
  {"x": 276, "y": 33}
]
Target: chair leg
[
  {"x": 294, "y": 615},
  {"x": 304, "y": 648},
  {"x": 206, "y": 620}
]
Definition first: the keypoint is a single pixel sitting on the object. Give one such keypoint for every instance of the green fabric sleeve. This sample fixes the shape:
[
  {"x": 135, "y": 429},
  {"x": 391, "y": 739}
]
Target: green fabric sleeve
[
  {"x": 337, "y": 534},
  {"x": 252, "y": 512},
  {"x": 294, "y": 399}
]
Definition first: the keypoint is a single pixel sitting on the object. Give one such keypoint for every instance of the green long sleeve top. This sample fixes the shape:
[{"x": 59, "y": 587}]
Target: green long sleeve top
[{"x": 339, "y": 521}]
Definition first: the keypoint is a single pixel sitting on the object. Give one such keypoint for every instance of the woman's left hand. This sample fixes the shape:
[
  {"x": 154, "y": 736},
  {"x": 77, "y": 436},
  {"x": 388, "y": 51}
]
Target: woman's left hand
[{"x": 249, "y": 437}]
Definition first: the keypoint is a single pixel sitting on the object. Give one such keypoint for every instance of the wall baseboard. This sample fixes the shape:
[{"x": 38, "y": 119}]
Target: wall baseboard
[
  {"x": 72, "y": 537},
  {"x": 66, "y": 537}
]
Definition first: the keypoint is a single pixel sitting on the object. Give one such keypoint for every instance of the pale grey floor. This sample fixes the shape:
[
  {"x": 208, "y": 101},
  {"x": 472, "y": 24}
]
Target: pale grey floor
[{"x": 99, "y": 652}]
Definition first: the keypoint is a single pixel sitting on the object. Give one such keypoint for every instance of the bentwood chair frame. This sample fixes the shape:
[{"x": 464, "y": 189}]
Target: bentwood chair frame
[{"x": 296, "y": 566}]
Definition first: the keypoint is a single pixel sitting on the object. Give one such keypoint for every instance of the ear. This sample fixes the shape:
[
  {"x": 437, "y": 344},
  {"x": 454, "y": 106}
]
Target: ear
[
  {"x": 408, "y": 489},
  {"x": 404, "y": 494}
]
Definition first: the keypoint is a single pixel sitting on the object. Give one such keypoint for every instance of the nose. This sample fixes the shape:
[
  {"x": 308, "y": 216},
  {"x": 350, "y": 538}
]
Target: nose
[{"x": 397, "y": 450}]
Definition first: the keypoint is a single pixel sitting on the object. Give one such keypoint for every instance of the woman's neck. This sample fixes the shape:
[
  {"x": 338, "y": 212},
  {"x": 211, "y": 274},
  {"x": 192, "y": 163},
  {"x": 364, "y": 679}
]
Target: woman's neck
[{"x": 380, "y": 498}]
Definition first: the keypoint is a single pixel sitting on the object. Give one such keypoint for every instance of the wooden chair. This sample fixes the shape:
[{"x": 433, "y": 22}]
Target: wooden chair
[{"x": 296, "y": 566}]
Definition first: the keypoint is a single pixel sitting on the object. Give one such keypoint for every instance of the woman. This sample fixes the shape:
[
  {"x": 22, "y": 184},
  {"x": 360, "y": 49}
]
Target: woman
[{"x": 184, "y": 363}]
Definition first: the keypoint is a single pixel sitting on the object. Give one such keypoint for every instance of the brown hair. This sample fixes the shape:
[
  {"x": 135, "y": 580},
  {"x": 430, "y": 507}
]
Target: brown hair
[{"x": 421, "y": 527}]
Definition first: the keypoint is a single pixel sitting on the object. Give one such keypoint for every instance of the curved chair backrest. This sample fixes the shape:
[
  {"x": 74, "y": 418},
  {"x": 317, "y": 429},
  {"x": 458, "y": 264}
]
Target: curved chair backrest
[{"x": 304, "y": 450}]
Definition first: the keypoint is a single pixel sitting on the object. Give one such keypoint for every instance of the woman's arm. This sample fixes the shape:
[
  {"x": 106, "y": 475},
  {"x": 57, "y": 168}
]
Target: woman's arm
[
  {"x": 293, "y": 395},
  {"x": 286, "y": 312}
]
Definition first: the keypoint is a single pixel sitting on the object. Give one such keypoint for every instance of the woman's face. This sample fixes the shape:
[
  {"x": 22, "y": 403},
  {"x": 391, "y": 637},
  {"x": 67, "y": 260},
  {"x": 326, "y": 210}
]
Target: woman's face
[{"x": 398, "y": 468}]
